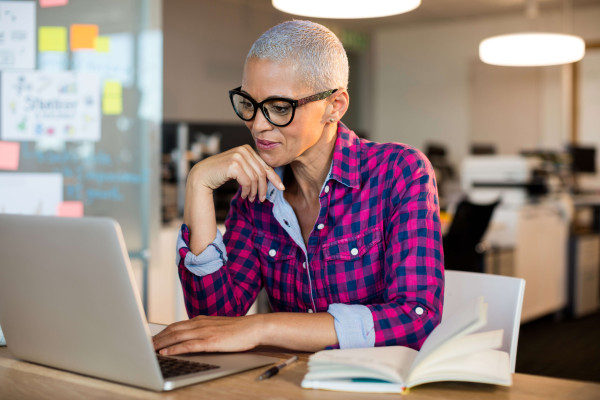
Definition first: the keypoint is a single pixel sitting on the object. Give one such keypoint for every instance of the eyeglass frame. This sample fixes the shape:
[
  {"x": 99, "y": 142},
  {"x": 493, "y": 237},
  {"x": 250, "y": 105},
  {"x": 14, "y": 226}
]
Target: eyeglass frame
[{"x": 294, "y": 103}]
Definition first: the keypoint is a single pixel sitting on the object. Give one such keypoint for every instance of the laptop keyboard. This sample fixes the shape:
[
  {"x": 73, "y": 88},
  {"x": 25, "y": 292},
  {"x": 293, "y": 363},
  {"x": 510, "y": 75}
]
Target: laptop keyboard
[{"x": 171, "y": 367}]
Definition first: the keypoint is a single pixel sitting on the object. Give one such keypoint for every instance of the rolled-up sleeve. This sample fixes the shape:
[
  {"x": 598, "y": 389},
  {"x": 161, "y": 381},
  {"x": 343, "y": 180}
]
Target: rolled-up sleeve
[
  {"x": 353, "y": 325},
  {"x": 205, "y": 263}
]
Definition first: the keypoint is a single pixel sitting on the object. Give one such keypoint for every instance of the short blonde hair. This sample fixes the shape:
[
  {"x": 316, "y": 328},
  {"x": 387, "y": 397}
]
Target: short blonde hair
[{"x": 314, "y": 51}]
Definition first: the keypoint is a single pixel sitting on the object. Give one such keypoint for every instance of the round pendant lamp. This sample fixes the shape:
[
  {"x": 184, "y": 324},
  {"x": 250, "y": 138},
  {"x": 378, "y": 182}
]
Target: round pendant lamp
[
  {"x": 345, "y": 9},
  {"x": 531, "y": 49}
]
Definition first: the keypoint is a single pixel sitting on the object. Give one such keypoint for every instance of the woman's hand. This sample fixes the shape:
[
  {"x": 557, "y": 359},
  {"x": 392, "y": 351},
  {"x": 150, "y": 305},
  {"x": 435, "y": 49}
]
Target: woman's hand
[
  {"x": 294, "y": 331},
  {"x": 209, "y": 334},
  {"x": 240, "y": 163}
]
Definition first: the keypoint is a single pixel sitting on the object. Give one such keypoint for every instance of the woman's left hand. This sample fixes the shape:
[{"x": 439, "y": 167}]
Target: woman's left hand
[{"x": 209, "y": 334}]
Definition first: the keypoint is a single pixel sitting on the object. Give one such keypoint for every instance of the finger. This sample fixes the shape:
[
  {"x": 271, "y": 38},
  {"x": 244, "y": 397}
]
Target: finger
[
  {"x": 238, "y": 172},
  {"x": 176, "y": 326},
  {"x": 271, "y": 174},
  {"x": 181, "y": 336},
  {"x": 190, "y": 346},
  {"x": 253, "y": 183},
  {"x": 260, "y": 169}
]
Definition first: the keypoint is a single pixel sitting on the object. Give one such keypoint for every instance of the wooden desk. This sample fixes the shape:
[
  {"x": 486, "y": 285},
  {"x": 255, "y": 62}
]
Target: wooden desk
[{"x": 21, "y": 380}]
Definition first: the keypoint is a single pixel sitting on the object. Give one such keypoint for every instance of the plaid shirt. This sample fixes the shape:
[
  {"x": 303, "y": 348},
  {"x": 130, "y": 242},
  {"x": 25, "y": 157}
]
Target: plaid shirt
[{"x": 373, "y": 260}]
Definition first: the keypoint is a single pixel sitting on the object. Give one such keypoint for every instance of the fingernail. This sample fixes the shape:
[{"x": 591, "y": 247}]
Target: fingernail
[{"x": 281, "y": 186}]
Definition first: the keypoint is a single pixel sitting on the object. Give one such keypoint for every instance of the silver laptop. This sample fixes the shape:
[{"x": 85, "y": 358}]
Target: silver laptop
[{"x": 67, "y": 300}]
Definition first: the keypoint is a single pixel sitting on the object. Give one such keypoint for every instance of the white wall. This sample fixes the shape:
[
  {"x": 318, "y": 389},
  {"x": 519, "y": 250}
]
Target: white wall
[
  {"x": 205, "y": 45},
  {"x": 425, "y": 86}
]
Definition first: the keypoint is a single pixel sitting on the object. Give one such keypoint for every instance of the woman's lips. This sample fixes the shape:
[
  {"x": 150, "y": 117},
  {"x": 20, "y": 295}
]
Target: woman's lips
[{"x": 266, "y": 144}]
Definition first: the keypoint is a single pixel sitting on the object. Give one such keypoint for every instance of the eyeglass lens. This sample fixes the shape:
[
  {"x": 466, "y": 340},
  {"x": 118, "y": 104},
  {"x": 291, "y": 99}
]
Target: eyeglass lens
[{"x": 277, "y": 111}]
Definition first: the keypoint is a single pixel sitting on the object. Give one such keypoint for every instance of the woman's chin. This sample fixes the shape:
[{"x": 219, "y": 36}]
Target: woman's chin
[{"x": 270, "y": 159}]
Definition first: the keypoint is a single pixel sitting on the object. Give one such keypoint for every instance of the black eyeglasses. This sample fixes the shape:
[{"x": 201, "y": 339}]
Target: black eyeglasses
[{"x": 279, "y": 111}]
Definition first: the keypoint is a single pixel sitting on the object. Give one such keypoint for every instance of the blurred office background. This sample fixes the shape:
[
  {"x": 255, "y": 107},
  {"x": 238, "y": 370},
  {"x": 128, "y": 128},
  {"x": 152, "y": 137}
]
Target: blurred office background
[{"x": 515, "y": 149}]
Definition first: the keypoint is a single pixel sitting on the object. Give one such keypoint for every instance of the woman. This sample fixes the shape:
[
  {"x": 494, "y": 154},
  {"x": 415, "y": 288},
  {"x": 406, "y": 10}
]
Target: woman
[{"x": 343, "y": 233}]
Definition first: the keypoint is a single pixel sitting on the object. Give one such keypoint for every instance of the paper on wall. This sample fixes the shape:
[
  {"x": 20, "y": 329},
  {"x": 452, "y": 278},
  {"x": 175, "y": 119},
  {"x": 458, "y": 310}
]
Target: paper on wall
[
  {"x": 102, "y": 44},
  {"x": 72, "y": 209},
  {"x": 9, "y": 155},
  {"x": 17, "y": 35},
  {"x": 53, "y": 3},
  {"x": 114, "y": 63},
  {"x": 83, "y": 37},
  {"x": 40, "y": 104},
  {"x": 30, "y": 193},
  {"x": 112, "y": 98},
  {"x": 52, "y": 38}
]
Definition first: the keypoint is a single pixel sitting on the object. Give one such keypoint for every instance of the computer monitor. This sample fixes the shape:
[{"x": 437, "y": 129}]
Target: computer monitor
[{"x": 583, "y": 159}]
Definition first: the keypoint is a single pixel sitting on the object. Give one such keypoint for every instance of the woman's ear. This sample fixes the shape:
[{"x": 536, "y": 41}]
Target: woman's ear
[{"x": 338, "y": 107}]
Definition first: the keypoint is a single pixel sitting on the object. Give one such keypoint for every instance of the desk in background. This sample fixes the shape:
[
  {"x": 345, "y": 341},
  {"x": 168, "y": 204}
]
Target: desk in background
[
  {"x": 584, "y": 256},
  {"x": 21, "y": 380}
]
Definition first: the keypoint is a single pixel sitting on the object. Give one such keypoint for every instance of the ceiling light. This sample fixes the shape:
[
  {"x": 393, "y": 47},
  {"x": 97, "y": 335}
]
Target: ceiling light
[
  {"x": 530, "y": 49},
  {"x": 533, "y": 49},
  {"x": 345, "y": 9}
]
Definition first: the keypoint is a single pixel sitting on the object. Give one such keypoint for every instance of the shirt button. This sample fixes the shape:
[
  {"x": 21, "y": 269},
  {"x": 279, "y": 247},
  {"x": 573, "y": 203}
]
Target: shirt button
[
  {"x": 310, "y": 311},
  {"x": 304, "y": 265},
  {"x": 320, "y": 226},
  {"x": 272, "y": 252},
  {"x": 419, "y": 311},
  {"x": 326, "y": 189},
  {"x": 354, "y": 251}
]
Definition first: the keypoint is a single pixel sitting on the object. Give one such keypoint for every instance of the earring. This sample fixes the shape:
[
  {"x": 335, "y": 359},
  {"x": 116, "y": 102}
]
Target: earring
[{"x": 331, "y": 120}]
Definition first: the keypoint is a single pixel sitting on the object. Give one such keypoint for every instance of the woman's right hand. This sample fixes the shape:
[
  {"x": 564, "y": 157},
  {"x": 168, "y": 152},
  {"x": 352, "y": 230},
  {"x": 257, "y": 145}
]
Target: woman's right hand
[{"x": 240, "y": 163}]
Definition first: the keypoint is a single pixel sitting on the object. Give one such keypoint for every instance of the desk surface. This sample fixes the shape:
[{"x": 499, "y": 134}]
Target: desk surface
[{"x": 21, "y": 380}]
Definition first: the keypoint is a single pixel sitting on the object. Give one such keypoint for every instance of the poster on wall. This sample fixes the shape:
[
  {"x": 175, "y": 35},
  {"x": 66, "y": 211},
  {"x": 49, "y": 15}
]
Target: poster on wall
[
  {"x": 17, "y": 35},
  {"x": 59, "y": 105},
  {"x": 31, "y": 193},
  {"x": 112, "y": 58}
]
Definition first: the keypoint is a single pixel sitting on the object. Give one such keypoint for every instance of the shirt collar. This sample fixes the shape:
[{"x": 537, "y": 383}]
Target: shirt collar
[
  {"x": 344, "y": 166},
  {"x": 346, "y": 157}
]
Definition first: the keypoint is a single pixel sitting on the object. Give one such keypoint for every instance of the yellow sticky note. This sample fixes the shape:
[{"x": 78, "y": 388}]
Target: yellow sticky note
[
  {"x": 102, "y": 44},
  {"x": 112, "y": 99},
  {"x": 52, "y": 38},
  {"x": 83, "y": 36}
]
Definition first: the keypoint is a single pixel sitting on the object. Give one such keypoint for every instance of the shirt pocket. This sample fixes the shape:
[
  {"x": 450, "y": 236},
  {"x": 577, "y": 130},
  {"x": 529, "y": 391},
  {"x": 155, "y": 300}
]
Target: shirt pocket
[
  {"x": 278, "y": 257},
  {"x": 355, "y": 270}
]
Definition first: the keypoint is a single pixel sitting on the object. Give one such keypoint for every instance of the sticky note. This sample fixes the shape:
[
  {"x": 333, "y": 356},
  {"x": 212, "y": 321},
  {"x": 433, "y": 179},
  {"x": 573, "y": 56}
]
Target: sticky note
[
  {"x": 83, "y": 36},
  {"x": 72, "y": 209},
  {"x": 102, "y": 44},
  {"x": 112, "y": 98},
  {"x": 9, "y": 155},
  {"x": 52, "y": 38},
  {"x": 53, "y": 3}
]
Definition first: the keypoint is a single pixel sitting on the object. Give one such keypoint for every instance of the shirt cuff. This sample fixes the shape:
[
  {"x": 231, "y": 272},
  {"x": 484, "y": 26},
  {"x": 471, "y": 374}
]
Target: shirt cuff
[
  {"x": 353, "y": 325},
  {"x": 205, "y": 263}
]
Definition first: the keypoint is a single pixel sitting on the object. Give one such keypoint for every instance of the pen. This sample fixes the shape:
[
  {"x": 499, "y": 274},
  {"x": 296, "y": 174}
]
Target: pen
[{"x": 274, "y": 370}]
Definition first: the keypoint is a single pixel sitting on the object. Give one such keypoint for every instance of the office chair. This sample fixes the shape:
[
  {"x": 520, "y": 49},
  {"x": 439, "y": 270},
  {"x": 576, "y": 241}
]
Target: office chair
[
  {"x": 504, "y": 296},
  {"x": 462, "y": 243}
]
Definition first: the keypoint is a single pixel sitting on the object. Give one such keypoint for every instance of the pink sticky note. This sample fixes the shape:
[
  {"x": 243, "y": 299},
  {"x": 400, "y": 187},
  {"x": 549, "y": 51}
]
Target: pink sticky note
[
  {"x": 53, "y": 3},
  {"x": 70, "y": 209},
  {"x": 9, "y": 155}
]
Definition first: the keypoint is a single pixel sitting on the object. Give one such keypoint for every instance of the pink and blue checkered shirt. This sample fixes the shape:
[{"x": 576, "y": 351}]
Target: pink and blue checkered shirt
[{"x": 374, "y": 258}]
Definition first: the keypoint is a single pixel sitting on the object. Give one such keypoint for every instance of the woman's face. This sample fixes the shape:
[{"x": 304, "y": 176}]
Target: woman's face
[{"x": 279, "y": 146}]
